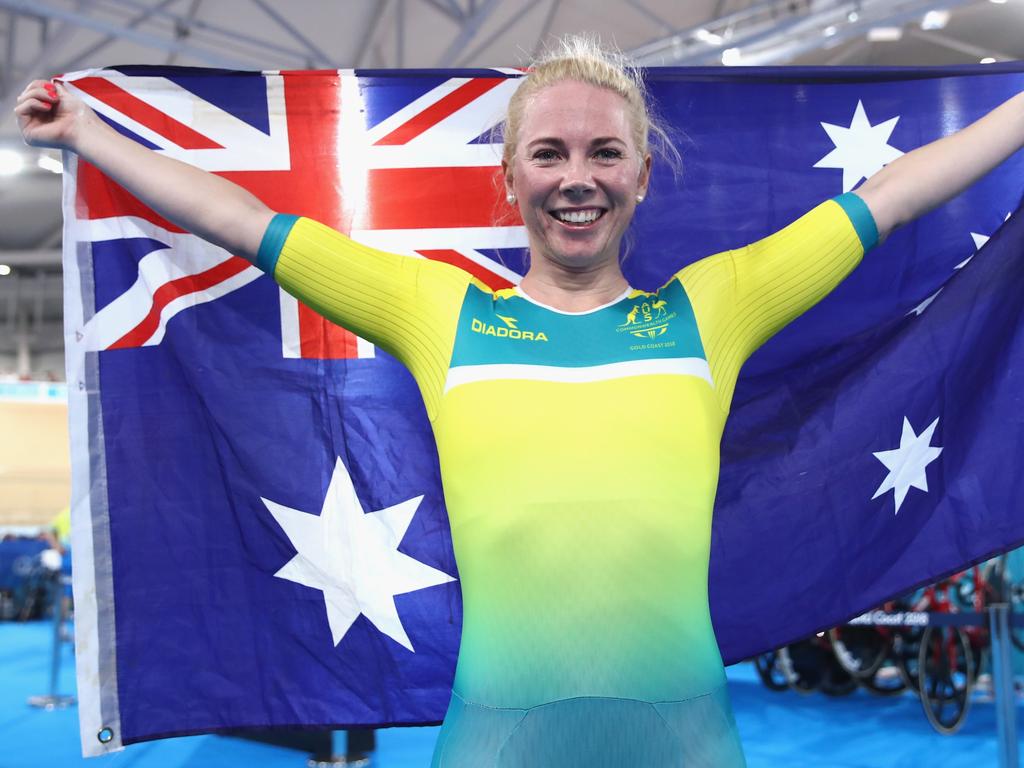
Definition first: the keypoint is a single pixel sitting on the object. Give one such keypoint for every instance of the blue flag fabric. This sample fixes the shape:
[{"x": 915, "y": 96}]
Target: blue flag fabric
[{"x": 871, "y": 446}]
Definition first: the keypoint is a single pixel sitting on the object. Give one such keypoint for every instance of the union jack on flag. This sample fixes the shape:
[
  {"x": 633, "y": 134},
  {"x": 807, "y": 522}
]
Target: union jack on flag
[
  {"x": 376, "y": 177},
  {"x": 222, "y": 433}
]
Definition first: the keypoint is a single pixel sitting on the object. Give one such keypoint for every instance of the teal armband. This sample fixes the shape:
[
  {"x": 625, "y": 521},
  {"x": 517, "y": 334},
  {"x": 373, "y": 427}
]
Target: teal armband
[
  {"x": 273, "y": 241},
  {"x": 861, "y": 218}
]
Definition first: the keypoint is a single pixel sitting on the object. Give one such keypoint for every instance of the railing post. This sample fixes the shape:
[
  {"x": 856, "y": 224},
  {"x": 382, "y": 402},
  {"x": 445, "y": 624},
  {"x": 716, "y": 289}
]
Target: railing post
[
  {"x": 55, "y": 700},
  {"x": 1002, "y": 672}
]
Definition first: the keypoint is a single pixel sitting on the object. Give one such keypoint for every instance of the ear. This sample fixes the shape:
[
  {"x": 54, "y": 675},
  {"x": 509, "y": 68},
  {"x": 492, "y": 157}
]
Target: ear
[
  {"x": 506, "y": 172},
  {"x": 645, "y": 175}
]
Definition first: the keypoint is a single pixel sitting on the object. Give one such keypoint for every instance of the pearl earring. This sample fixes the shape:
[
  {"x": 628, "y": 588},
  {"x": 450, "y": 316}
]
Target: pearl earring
[
  {"x": 639, "y": 198},
  {"x": 511, "y": 198}
]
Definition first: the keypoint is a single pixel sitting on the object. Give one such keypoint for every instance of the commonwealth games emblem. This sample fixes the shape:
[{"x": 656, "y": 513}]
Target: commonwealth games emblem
[{"x": 648, "y": 319}]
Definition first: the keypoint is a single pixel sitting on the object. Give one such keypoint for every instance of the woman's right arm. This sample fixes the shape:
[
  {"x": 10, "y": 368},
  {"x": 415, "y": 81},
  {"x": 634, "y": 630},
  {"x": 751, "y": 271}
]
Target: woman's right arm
[
  {"x": 406, "y": 305},
  {"x": 207, "y": 205}
]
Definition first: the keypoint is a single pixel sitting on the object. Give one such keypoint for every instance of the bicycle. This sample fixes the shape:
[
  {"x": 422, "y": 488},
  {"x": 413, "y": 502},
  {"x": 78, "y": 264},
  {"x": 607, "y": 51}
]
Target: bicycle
[{"x": 950, "y": 657}]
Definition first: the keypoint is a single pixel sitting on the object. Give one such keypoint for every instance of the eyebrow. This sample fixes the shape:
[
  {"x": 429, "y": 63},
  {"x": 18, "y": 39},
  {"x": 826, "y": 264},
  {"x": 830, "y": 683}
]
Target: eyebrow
[{"x": 556, "y": 140}]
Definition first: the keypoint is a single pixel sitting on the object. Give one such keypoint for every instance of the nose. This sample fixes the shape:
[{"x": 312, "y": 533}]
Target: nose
[{"x": 578, "y": 181}]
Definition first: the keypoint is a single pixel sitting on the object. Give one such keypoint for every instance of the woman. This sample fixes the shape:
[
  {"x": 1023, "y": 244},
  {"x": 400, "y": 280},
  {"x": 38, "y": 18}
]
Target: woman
[{"x": 581, "y": 533}]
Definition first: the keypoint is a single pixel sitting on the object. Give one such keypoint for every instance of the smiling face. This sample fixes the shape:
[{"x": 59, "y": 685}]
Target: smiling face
[{"x": 576, "y": 174}]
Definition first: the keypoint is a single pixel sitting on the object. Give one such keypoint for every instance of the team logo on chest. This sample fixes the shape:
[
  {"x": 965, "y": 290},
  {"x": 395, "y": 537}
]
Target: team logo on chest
[
  {"x": 648, "y": 319},
  {"x": 509, "y": 329}
]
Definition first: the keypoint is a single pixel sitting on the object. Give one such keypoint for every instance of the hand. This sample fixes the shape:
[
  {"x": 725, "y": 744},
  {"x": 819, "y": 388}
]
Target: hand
[{"x": 49, "y": 115}]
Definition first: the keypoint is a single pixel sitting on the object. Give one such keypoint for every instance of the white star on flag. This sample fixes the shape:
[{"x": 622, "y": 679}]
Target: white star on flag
[
  {"x": 907, "y": 463},
  {"x": 353, "y": 558},
  {"x": 979, "y": 241},
  {"x": 861, "y": 150},
  {"x": 920, "y": 308}
]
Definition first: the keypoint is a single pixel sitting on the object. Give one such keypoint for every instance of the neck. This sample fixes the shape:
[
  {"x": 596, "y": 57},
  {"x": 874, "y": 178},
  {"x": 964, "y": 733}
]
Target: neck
[{"x": 573, "y": 291}]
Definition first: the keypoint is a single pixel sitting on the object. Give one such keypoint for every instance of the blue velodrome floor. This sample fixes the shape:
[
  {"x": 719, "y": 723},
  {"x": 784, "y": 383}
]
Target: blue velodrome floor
[{"x": 784, "y": 729}]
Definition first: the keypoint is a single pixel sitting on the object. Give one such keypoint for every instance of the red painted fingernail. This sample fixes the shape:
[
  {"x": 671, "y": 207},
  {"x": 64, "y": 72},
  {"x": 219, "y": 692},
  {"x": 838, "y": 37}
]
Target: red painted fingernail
[
  {"x": 47, "y": 106},
  {"x": 51, "y": 89}
]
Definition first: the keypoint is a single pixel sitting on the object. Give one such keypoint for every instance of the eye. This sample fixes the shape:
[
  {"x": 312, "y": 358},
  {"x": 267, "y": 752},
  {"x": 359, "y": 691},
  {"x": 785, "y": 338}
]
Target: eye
[
  {"x": 545, "y": 155},
  {"x": 608, "y": 153}
]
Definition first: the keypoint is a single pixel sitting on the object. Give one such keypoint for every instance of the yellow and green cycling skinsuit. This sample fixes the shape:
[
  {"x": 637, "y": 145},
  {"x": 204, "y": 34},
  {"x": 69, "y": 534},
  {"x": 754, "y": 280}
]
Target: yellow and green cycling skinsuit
[{"x": 579, "y": 457}]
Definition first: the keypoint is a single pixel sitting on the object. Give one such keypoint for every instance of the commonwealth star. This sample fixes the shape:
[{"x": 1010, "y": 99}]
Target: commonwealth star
[
  {"x": 353, "y": 558},
  {"x": 907, "y": 463}
]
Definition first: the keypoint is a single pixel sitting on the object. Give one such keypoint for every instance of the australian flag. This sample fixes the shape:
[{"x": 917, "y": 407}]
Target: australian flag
[{"x": 226, "y": 439}]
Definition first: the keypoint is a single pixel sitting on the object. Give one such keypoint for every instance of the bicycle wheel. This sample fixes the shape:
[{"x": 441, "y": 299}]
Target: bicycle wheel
[
  {"x": 945, "y": 666},
  {"x": 860, "y": 650},
  {"x": 836, "y": 681},
  {"x": 906, "y": 650},
  {"x": 770, "y": 670},
  {"x": 803, "y": 665}
]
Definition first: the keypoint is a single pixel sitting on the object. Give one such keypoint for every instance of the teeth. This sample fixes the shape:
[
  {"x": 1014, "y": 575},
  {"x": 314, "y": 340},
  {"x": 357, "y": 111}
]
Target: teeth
[{"x": 578, "y": 217}]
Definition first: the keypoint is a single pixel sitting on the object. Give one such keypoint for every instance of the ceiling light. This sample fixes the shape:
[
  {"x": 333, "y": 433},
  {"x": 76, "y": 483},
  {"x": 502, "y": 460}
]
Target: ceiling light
[
  {"x": 830, "y": 30},
  {"x": 998, "y": 2},
  {"x": 708, "y": 37},
  {"x": 885, "y": 34},
  {"x": 11, "y": 162},
  {"x": 987, "y": 60},
  {"x": 935, "y": 20},
  {"x": 731, "y": 57},
  {"x": 852, "y": 16},
  {"x": 51, "y": 164},
  {"x": 4, "y": 270}
]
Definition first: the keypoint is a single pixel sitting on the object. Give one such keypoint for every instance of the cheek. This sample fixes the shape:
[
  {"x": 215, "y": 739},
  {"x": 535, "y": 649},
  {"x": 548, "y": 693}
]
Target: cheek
[
  {"x": 533, "y": 181},
  {"x": 631, "y": 176},
  {"x": 622, "y": 180}
]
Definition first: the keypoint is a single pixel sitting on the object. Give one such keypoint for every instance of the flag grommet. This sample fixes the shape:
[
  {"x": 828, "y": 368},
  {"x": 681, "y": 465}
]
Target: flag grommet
[{"x": 105, "y": 735}]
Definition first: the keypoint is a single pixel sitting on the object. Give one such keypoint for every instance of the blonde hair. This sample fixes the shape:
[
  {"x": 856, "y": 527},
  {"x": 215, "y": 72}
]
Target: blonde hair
[{"x": 584, "y": 59}]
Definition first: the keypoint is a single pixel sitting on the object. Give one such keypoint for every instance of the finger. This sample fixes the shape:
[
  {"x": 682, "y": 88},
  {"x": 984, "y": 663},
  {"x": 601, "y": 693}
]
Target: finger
[
  {"x": 34, "y": 86},
  {"x": 34, "y": 106},
  {"x": 43, "y": 92}
]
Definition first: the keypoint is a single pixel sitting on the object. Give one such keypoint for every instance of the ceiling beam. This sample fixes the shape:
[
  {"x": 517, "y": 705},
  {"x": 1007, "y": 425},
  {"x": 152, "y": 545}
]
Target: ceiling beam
[
  {"x": 777, "y": 31},
  {"x": 183, "y": 29},
  {"x": 219, "y": 38},
  {"x": 951, "y": 43},
  {"x": 469, "y": 29},
  {"x": 318, "y": 57},
  {"x": 650, "y": 15},
  {"x": 400, "y": 19},
  {"x": 369, "y": 32},
  {"x": 81, "y": 59},
  {"x": 41, "y": 9},
  {"x": 545, "y": 29},
  {"x": 483, "y": 45},
  {"x": 813, "y": 39},
  {"x": 853, "y": 51},
  {"x": 766, "y": 9},
  {"x": 449, "y": 8},
  {"x": 7, "y": 74},
  {"x": 34, "y": 258}
]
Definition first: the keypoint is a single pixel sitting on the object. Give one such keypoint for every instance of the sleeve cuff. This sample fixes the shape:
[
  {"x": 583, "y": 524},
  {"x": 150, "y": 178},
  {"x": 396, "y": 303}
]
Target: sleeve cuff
[
  {"x": 273, "y": 241},
  {"x": 861, "y": 218}
]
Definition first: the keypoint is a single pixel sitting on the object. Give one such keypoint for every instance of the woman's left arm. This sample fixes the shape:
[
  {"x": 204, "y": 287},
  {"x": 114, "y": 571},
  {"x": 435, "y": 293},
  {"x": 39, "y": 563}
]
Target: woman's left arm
[{"x": 919, "y": 181}]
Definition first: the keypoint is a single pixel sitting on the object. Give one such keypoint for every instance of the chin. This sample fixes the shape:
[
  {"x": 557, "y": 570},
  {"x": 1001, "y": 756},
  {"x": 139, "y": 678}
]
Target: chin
[
  {"x": 581, "y": 259},
  {"x": 580, "y": 262},
  {"x": 581, "y": 256}
]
